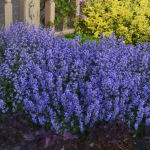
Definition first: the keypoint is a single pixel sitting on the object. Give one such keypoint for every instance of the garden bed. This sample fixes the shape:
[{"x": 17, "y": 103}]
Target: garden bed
[{"x": 11, "y": 137}]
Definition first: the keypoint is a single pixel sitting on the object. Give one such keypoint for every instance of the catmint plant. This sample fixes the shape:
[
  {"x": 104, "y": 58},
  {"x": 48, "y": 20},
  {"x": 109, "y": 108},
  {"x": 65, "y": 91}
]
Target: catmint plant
[{"x": 62, "y": 83}]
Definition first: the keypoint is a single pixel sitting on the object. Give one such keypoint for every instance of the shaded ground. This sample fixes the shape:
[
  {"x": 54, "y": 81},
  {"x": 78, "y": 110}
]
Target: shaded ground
[{"x": 11, "y": 135}]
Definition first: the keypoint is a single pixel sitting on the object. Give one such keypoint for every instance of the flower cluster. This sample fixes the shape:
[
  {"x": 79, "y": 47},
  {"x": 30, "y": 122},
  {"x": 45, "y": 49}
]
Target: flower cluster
[{"x": 55, "y": 81}]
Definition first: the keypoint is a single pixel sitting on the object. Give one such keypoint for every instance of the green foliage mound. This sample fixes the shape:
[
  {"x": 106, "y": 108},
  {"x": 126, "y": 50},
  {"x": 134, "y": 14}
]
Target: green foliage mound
[
  {"x": 84, "y": 37},
  {"x": 130, "y": 19}
]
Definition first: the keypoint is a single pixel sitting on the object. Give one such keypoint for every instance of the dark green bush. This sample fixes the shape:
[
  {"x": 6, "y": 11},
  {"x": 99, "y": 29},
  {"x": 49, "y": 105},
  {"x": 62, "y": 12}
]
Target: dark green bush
[{"x": 84, "y": 37}]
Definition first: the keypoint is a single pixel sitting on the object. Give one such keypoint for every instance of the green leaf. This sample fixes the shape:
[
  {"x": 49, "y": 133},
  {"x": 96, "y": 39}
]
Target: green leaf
[
  {"x": 49, "y": 24},
  {"x": 67, "y": 8},
  {"x": 56, "y": 3},
  {"x": 61, "y": 11},
  {"x": 64, "y": 4},
  {"x": 71, "y": 6},
  {"x": 58, "y": 19}
]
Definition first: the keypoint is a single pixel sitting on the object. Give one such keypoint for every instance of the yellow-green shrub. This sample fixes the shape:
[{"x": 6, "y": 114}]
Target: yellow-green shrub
[{"x": 130, "y": 19}]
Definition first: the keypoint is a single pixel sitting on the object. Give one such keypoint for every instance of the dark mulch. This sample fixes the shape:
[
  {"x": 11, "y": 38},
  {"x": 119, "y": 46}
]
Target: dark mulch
[{"x": 11, "y": 137}]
